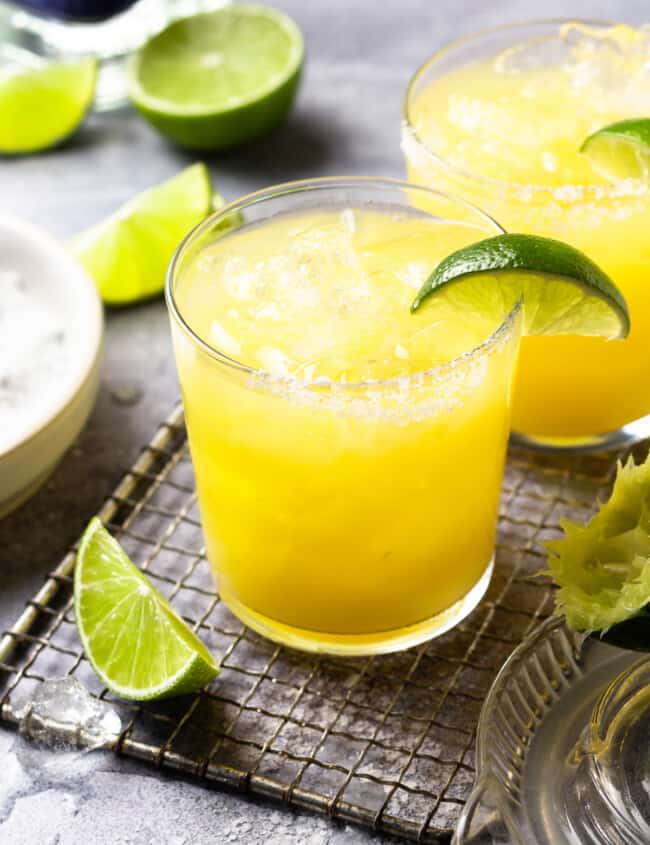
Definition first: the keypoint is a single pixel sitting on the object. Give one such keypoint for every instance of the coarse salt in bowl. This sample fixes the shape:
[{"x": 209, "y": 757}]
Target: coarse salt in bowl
[{"x": 51, "y": 330}]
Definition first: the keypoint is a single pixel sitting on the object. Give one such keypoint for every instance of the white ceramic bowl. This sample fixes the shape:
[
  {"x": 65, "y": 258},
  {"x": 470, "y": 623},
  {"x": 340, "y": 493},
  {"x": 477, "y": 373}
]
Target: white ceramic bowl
[{"x": 33, "y": 439}]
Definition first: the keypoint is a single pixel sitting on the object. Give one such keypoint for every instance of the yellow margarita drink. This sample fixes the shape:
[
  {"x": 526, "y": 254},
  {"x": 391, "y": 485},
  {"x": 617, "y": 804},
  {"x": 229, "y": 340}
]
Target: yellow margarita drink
[
  {"x": 348, "y": 454},
  {"x": 500, "y": 119}
]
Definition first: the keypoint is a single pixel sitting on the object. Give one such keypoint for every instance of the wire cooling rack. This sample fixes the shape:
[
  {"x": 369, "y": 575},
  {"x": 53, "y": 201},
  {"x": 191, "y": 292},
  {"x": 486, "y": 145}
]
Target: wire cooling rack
[{"x": 382, "y": 741}]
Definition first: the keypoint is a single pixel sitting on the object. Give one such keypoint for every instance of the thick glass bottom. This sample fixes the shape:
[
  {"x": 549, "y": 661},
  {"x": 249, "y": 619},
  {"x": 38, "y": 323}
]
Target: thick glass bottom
[
  {"x": 365, "y": 643},
  {"x": 33, "y": 37},
  {"x": 563, "y": 756},
  {"x": 628, "y": 435}
]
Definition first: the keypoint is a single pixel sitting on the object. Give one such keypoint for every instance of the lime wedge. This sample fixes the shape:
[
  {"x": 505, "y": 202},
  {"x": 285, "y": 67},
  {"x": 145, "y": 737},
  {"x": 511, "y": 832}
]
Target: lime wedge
[
  {"x": 603, "y": 568},
  {"x": 41, "y": 107},
  {"x": 563, "y": 291},
  {"x": 128, "y": 253},
  {"x": 620, "y": 150},
  {"x": 134, "y": 640},
  {"x": 219, "y": 79}
]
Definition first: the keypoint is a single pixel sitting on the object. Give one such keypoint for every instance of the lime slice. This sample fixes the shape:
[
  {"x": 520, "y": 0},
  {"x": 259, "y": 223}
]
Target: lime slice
[
  {"x": 41, "y": 107},
  {"x": 620, "y": 150},
  {"x": 136, "y": 643},
  {"x": 603, "y": 568},
  {"x": 563, "y": 291},
  {"x": 128, "y": 253},
  {"x": 219, "y": 79}
]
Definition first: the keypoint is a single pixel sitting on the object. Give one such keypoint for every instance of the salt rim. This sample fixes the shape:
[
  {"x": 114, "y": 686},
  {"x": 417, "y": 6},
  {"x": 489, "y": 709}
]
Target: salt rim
[
  {"x": 292, "y": 384},
  {"x": 413, "y": 144}
]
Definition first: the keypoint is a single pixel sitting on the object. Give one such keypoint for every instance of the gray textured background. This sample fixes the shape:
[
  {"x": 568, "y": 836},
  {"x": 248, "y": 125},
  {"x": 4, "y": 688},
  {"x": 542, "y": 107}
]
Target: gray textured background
[{"x": 360, "y": 56}]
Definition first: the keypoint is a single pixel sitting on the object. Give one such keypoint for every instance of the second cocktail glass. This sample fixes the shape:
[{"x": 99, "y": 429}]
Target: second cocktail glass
[
  {"x": 499, "y": 118},
  {"x": 348, "y": 455}
]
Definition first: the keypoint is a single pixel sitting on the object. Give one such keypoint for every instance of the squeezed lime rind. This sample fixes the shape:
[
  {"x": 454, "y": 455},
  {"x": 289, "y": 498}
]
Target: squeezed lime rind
[{"x": 603, "y": 568}]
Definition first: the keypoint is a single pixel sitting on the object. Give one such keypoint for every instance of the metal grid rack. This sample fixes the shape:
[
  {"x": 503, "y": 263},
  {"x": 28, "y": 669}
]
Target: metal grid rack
[{"x": 382, "y": 741}]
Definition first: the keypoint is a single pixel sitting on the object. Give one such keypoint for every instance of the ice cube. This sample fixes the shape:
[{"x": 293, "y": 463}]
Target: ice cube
[
  {"x": 62, "y": 711},
  {"x": 223, "y": 340},
  {"x": 238, "y": 278},
  {"x": 349, "y": 220},
  {"x": 274, "y": 360},
  {"x": 534, "y": 54}
]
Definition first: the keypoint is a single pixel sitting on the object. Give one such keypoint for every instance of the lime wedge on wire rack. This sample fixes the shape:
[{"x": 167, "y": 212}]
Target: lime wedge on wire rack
[
  {"x": 562, "y": 290},
  {"x": 136, "y": 643},
  {"x": 620, "y": 150}
]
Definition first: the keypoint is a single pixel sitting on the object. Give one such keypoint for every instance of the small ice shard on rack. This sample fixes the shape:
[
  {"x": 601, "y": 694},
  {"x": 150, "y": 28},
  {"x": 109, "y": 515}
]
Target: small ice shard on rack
[{"x": 62, "y": 711}]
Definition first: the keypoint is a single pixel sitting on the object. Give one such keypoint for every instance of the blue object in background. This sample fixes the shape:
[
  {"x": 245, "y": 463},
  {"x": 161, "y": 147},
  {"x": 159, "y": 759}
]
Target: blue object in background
[{"x": 78, "y": 11}]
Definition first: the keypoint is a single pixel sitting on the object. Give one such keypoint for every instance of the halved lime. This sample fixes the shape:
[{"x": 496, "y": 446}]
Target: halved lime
[
  {"x": 135, "y": 641},
  {"x": 40, "y": 107},
  {"x": 621, "y": 150},
  {"x": 128, "y": 253},
  {"x": 219, "y": 79},
  {"x": 563, "y": 291},
  {"x": 603, "y": 568}
]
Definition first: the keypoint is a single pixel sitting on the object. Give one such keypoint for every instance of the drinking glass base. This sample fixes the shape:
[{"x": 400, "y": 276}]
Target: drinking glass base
[
  {"x": 358, "y": 645},
  {"x": 562, "y": 747},
  {"x": 623, "y": 437}
]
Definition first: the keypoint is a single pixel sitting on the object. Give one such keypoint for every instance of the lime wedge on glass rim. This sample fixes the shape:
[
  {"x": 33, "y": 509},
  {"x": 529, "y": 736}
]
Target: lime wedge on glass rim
[
  {"x": 136, "y": 643},
  {"x": 42, "y": 106},
  {"x": 218, "y": 79},
  {"x": 562, "y": 290},
  {"x": 127, "y": 254},
  {"x": 603, "y": 568},
  {"x": 620, "y": 150}
]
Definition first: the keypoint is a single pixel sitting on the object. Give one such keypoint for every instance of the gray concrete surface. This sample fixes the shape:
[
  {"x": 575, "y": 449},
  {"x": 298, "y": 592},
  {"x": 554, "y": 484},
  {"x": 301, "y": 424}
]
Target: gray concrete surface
[{"x": 360, "y": 56}]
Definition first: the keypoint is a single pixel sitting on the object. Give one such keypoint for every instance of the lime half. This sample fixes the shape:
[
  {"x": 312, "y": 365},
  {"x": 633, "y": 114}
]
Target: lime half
[
  {"x": 219, "y": 79},
  {"x": 134, "y": 640},
  {"x": 128, "y": 254},
  {"x": 563, "y": 291},
  {"x": 603, "y": 568},
  {"x": 620, "y": 150},
  {"x": 40, "y": 107}
]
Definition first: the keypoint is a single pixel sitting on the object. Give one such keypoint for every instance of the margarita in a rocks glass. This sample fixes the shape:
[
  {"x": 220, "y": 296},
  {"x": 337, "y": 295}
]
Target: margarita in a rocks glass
[
  {"x": 500, "y": 118},
  {"x": 348, "y": 454}
]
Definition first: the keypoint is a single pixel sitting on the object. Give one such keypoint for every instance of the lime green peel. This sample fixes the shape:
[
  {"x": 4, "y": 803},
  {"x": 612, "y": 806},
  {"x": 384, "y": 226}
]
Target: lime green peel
[
  {"x": 136, "y": 643},
  {"x": 41, "y": 107},
  {"x": 127, "y": 254},
  {"x": 621, "y": 150},
  {"x": 563, "y": 291},
  {"x": 603, "y": 568}
]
